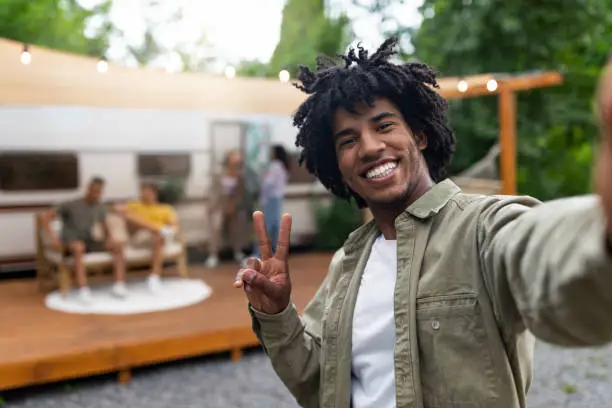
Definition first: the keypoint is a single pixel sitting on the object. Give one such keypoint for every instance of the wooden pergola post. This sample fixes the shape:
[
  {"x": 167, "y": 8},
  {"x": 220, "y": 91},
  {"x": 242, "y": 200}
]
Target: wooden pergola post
[{"x": 507, "y": 139}]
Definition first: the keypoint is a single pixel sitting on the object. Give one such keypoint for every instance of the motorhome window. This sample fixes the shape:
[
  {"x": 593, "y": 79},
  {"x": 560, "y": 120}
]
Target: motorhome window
[
  {"x": 38, "y": 171},
  {"x": 299, "y": 174},
  {"x": 169, "y": 165}
]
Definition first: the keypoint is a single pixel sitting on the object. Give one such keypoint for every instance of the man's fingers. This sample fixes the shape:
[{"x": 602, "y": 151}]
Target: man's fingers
[
  {"x": 254, "y": 263},
  {"x": 284, "y": 238},
  {"x": 263, "y": 240},
  {"x": 254, "y": 280},
  {"x": 238, "y": 282}
]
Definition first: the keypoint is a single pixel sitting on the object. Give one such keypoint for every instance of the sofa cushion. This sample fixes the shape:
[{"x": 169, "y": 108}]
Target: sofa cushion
[
  {"x": 136, "y": 254},
  {"x": 132, "y": 254},
  {"x": 93, "y": 258}
]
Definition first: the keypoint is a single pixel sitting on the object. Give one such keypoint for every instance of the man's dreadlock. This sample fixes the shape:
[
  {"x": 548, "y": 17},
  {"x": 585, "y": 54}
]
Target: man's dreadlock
[{"x": 345, "y": 85}]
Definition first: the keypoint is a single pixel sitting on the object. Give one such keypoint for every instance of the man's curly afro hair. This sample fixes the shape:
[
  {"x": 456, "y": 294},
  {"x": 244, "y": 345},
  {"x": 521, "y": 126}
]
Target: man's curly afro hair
[{"x": 358, "y": 79}]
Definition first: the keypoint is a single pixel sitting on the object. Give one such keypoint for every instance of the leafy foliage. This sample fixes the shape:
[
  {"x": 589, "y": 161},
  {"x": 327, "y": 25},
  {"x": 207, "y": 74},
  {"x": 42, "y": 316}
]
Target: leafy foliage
[
  {"x": 335, "y": 221},
  {"x": 556, "y": 126},
  {"x": 57, "y": 24},
  {"x": 172, "y": 191},
  {"x": 306, "y": 31}
]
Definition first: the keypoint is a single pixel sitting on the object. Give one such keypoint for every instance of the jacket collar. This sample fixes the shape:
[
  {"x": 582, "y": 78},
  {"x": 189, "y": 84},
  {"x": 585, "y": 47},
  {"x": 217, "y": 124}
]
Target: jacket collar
[
  {"x": 433, "y": 200},
  {"x": 426, "y": 206}
]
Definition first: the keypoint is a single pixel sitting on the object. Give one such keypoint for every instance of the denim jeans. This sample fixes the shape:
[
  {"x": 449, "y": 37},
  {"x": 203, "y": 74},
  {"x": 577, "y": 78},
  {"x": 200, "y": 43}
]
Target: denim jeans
[{"x": 272, "y": 214}]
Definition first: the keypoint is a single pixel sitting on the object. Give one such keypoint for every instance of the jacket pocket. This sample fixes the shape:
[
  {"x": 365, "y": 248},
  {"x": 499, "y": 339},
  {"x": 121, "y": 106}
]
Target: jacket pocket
[{"x": 456, "y": 361}]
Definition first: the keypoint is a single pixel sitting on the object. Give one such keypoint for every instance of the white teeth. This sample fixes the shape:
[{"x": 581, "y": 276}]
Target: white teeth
[{"x": 381, "y": 171}]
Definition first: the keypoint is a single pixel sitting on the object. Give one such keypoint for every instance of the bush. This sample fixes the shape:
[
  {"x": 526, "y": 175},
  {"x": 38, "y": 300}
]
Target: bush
[
  {"x": 335, "y": 222},
  {"x": 172, "y": 191}
]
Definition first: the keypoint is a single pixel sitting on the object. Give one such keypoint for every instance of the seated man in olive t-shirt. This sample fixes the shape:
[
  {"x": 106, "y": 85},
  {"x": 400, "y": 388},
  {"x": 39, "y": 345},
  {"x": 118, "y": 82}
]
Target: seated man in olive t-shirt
[
  {"x": 85, "y": 230},
  {"x": 153, "y": 222}
]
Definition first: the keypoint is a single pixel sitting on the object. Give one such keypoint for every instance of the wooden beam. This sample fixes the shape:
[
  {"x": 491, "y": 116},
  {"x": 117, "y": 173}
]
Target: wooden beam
[
  {"x": 541, "y": 80},
  {"x": 59, "y": 78},
  {"x": 507, "y": 138},
  {"x": 477, "y": 85}
]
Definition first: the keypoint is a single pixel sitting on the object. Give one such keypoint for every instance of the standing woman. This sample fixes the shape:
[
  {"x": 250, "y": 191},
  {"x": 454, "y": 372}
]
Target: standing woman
[
  {"x": 272, "y": 193},
  {"x": 225, "y": 208}
]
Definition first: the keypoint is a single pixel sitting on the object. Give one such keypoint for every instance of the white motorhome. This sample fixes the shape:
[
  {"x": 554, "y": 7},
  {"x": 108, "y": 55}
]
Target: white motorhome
[{"x": 63, "y": 122}]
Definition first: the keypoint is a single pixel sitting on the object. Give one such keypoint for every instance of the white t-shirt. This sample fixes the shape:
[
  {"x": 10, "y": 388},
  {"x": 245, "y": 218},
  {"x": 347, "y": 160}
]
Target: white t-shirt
[{"x": 373, "y": 369}]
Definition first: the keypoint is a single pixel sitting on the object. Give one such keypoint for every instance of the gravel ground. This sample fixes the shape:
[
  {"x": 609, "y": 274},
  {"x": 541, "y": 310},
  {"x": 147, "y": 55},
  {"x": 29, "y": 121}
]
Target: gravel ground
[{"x": 563, "y": 378}]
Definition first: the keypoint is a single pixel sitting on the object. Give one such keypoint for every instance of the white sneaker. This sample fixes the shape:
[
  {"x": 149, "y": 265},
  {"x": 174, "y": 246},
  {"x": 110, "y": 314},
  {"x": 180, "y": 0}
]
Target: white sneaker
[
  {"x": 85, "y": 295},
  {"x": 154, "y": 283},
  {"x": 119, "y": 290},
  {"x": 212, "y": 262}
]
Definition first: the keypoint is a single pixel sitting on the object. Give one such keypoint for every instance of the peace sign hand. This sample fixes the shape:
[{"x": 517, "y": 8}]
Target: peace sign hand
[{"x": 266, "y": 282}]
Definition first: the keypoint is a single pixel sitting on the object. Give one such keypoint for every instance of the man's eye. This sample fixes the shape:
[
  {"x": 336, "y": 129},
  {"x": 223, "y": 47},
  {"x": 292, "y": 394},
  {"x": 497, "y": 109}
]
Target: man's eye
[
  {"x": 346, "y": 141},
  {"x": 385, "y": 126}
]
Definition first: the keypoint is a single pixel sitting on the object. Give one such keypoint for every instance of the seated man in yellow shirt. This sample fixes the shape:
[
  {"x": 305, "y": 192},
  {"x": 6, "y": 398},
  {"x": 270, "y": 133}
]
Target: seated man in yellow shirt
[{"x": 151, "y": 222}]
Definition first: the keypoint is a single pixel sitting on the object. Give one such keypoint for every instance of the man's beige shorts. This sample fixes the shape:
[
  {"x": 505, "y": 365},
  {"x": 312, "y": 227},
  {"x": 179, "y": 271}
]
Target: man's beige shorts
[{"x": 142, "y": 239}]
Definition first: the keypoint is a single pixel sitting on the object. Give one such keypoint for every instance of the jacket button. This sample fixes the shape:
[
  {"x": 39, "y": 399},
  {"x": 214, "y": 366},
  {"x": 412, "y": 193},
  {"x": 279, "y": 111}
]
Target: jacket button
[{"x": 435, "y": 325}]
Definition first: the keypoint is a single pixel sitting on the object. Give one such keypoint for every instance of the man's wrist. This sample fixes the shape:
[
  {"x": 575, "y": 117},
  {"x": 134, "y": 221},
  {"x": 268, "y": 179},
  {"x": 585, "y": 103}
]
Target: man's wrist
[{"x": 271, "y": 316}]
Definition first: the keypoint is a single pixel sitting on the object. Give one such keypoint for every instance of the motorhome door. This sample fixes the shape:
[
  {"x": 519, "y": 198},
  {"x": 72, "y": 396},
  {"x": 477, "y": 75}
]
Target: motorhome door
[{"x": 226, "y": 136}]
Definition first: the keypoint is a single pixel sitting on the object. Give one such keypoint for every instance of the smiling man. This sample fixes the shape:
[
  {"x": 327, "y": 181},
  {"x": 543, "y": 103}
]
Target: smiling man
[{"x": 436, "y": 301}]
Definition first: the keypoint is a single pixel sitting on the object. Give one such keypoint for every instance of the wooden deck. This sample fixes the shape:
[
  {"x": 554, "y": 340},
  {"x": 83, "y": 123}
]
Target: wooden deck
[{"x": 38, "y": 345}]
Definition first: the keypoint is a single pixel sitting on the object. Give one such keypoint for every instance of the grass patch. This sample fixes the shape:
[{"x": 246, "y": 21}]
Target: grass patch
[{"x": 569, "y": 388}]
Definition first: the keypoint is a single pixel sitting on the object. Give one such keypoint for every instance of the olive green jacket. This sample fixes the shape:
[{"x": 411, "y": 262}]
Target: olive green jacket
[{"x": 477, "y": 278}]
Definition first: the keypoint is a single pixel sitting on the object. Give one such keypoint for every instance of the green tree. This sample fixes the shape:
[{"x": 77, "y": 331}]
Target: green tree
[
  {"x": 56, "y": 24},
  {"x": 193, "y": 55},
  {"x": 386, "y": 11},
  {"x": 556, "y": 126},
  {"x": 306, "y": 32},
  {"x": 148, "y": 51},
  {"x": 254, "y": 69}
]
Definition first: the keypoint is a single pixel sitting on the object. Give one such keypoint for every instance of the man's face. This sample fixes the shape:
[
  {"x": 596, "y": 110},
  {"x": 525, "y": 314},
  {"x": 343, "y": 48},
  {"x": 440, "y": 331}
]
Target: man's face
[
  {"x": 148, "y": 194},
  {"x": 94, "y": 192},
  {"x": 378, "y": 155}
]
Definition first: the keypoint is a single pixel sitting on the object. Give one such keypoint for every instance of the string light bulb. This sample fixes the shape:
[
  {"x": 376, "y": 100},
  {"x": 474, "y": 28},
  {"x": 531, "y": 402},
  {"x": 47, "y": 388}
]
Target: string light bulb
[
  {"x": 284, "y": 76},
  {"x": 102, "y": 65},
  {"x": 26, "y": 56},
  {"x": 462, "y": 86},
  {"x": 491, "y": 85},
  {"x": 230, "y": 72}
]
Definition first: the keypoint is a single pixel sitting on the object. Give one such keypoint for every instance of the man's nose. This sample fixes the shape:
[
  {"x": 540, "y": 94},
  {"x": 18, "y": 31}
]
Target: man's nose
[{"x": 370, "y": 146}]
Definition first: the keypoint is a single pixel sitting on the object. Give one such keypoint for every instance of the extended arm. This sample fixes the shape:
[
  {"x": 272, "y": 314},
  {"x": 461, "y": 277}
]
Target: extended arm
[
  {"x": 549, "y": 268},
  {"x": 46, "y": 218},
  {"x": 136, "y": 220}
]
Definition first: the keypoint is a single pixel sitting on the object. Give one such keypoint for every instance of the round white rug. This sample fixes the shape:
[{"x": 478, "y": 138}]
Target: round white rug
[{"x": 175, "y": 293}]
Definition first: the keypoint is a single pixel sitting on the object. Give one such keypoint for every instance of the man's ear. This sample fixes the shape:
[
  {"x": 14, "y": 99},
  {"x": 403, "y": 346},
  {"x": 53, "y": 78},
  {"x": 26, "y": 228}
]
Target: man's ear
[{"x": 421, "y": 141}]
